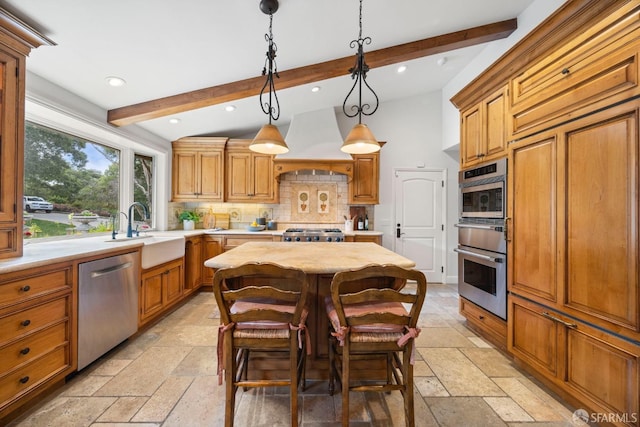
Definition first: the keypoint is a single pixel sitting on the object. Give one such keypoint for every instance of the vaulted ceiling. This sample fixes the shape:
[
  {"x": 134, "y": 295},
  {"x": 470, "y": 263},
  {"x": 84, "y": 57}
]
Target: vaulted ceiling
[{"x": 188, "y": 60}]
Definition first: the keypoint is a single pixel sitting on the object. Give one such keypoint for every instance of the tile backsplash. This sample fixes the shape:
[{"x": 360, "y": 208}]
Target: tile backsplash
[{"x": 306, "y": 200}]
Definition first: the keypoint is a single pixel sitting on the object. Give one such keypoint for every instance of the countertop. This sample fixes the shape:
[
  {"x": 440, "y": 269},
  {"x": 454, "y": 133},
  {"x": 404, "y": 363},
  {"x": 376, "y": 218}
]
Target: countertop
[
  {"x": 36, "y": 254},
  {"x": 312, "y": 257}
]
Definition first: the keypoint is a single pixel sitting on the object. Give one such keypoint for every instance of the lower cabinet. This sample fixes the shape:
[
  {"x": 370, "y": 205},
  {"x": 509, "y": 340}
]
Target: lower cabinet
[
  {"x": 193, "y": 254},
  {"x": 377, "y": 238},
  {"x": 37, "y": 333},
  {"x": 160, "y": 288},
  {"x": 596, "y": 368},
  {"x": 212, "y": 247}
]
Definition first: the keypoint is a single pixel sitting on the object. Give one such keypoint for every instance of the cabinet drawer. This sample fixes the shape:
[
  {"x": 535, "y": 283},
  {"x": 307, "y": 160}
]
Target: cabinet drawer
[
  {"x": 495, "y": 327},
  {"x": 28, "y": 377},
  {"x": 601, "y": 63},
  {"x": 232, "y": 242},
  {"x": 31, "y": 319},
  {"x": 32, "y": 346},
  {"x": 34, "y": 286}
]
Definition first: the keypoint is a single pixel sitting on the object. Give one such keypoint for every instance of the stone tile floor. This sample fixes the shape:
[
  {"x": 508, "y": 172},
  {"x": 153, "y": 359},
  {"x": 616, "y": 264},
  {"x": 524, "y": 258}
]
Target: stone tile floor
[{"x": 166, "y": 376}]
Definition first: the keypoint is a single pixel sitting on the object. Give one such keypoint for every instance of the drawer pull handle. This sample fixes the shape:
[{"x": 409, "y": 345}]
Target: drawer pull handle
[
  {"x": 25, "y": 322},
  {"x": 555, "y": 319},
  {"x": 565, "y": 71},
  {"x": 25, "y": 350},
  {"x": 24, "y": 380},
  {"x": 25, "y": 288},
  {"x": 481, "y": 317}
]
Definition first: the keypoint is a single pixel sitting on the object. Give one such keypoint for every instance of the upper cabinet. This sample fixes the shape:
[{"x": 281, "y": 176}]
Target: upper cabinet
[
  {"x": 16, "y": 41},
  {"x": 483, "y": 129},
  {"x": 249, "y": 175},
  {"x": 363, "y": 188},
  {"x": 198, "y": 169}
]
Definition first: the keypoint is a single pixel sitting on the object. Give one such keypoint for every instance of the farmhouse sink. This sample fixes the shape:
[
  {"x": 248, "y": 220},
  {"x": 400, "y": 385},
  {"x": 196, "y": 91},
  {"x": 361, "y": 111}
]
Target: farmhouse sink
[{"x": 157, "y": 249}]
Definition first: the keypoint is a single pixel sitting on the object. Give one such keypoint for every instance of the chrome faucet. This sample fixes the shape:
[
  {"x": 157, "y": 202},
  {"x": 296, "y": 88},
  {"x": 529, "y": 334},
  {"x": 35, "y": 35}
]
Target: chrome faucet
[{"x": 130, "y": 219}]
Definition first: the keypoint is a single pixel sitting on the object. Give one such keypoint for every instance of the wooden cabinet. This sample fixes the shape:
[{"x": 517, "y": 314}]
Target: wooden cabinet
[
  {"x": 198, "y": 169},
  {"x": 483, "y": 129},
  {"x": 373, "y": 238},
  {"x": 595, "y": 68},
  {"x": 487, "y": 324},
  {"x": 37, "y": 333},
  {"x": 597, "y": 368},
  {"x": 231, "y": 241},
  {"x": 363, "y": 188},
  {"x": 193, "y": 254},
  {"x": 249, "y": 175},
  {"x": 212, "y": 247},
  {"x": 16, "y": 41},
  {"x": 160, "y": 288}
]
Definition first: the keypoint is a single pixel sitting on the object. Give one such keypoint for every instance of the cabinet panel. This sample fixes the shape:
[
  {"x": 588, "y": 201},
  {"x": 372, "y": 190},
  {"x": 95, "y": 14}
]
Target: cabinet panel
[
  {"x": 238, "y": 176},
  {"x": 263, "y": 180},
  {"x": 364, "y": 187},
  {"x": 471, "y": 129},
  {"x": 211, "y": 173},
  {"x": 198, "y": 169},
  {"x": 250, "y": 175},
  {"x": 212, "y": 247},
  {"x": 602, "y": 227},
  {"x": 34, "y": 286},
  {"x": 193, "y": 264},
  {"x": 173, "y": 284},
  {"x": 184, "y": 174},
  {"x": 33, "y": 346},
  {"x": 33, "y": 318},
  {"x": 532, "y": 259},
  {"x": 151, "y": 294}
]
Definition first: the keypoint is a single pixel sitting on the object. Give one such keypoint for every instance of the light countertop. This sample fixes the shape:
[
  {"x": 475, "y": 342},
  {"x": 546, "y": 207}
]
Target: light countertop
[{"x": 312, "y": 257}]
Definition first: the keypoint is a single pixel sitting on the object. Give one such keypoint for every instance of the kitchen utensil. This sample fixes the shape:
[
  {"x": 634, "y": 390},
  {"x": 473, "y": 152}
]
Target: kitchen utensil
[{"x": 348, "y": 226}]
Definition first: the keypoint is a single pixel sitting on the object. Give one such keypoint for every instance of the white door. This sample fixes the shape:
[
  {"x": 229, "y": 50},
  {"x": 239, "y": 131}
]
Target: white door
[{"x": 419, "y": 220}]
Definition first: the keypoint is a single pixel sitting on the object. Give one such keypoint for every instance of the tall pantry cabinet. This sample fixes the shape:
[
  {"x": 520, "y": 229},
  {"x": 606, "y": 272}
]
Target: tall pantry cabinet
[{"x": 573, "y": 217}]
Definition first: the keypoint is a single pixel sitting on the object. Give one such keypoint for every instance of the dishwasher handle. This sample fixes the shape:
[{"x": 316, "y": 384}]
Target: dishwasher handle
[{"x": 111, "y": 269}]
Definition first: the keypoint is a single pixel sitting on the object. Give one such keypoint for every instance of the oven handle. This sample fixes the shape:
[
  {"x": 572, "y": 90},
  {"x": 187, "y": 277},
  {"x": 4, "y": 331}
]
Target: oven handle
[
  {"x": 480, "y": 226},
  {"x": 473, "y": 254}
]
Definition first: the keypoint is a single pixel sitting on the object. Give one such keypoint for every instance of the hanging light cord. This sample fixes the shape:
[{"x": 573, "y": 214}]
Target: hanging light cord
[
  {"x": 270, "y": 70},
  {"x": 359, "y": 74}
]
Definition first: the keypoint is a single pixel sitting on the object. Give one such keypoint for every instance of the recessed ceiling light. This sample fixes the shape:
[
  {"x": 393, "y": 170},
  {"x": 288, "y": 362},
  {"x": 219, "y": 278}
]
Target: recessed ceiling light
[
  {"x": 316, "y": 89},
  {"x": 115, "y": 81},
  {"x": 402, "y": 68},
  {"x": 174, "y": 120},
  {"x": 230, "y": 108},
  {"x": 442, "y": 61}
]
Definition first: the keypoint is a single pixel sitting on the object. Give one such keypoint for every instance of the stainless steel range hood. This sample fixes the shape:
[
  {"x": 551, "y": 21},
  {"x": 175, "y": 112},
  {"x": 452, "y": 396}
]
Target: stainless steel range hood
[{"x": 314, "y": 142}]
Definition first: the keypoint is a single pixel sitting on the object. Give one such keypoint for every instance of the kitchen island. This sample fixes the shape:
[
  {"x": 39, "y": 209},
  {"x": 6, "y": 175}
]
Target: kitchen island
[{"x": 320, "y": 261}]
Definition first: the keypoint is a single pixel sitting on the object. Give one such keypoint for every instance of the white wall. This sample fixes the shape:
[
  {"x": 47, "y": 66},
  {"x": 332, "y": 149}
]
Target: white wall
[
  {"x": 412, "y": 129},
  {"x": 537, "y": 12}
]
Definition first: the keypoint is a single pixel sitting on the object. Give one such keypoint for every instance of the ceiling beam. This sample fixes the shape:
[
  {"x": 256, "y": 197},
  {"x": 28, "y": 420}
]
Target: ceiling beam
[{"x": 308, "y": 74}]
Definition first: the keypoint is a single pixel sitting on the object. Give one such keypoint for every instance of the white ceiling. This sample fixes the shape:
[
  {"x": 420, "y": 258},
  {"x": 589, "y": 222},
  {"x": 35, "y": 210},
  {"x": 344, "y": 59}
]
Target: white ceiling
[{"x": 164, "y": 48}]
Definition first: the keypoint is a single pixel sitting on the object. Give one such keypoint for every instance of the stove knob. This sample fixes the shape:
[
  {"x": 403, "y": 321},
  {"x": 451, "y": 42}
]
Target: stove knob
[
  {"x": 287, "y": 239},
  {"x": 308, "y": 238},
  {"x": 316, "y": 238},
  {"x": 338, "y": 239},
  {"x": 329, "y": 239},
  {"x": 297, "y": 239}
]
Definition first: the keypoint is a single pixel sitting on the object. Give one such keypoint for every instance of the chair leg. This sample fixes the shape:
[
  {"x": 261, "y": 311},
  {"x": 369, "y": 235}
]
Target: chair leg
[
  {"x": 331, "y": 366},
  {"x": 345, "y": 383},
  {"x": 293, "y": 381},
  {"x": 407, "y": 379},
  {"x": 230, "y": 387}
]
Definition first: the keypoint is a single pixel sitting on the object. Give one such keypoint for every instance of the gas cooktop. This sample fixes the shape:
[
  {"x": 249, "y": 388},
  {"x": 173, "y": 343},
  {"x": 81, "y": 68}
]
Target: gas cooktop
[{"x": 313, "y": 235}]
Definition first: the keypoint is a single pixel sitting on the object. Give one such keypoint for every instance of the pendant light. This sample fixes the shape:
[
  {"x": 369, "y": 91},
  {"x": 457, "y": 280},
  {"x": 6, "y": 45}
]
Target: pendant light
[
  {"x": 269, "y": 140},
  {"x": 360, "y": 140}
]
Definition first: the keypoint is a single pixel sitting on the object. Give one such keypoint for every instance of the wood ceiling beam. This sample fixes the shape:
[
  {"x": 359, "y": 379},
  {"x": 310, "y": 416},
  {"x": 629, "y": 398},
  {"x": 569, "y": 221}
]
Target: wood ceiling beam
[{"x": 308, "y": 74}]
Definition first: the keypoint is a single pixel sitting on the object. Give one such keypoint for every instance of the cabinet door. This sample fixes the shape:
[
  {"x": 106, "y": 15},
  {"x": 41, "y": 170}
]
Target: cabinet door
[
  {"x": 210, "y": 174},
  {"x": 262, "y": 178},
  {"x": 151, "y": 293},
  {"x": 238, "y": 183},
  {"x": 495, "y": 124},
  {"x": 363, "y": 188},
  {"x": 185, "y": 175},
  {"x": 532, "y": 209},
  {"x": 11, "y": 158},
  {"x": 601, "y": 217},
  {"x": 212, "y": 247},
  {"x": 173, "y": 282},
  {"x": 193, "y": 264},
  {"x": 471, "y": 136}
]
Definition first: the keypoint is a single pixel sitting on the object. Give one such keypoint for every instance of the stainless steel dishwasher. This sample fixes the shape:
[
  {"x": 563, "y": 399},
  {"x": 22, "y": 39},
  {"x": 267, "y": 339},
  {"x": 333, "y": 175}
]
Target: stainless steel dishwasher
[{"x": 107, "y": 305}]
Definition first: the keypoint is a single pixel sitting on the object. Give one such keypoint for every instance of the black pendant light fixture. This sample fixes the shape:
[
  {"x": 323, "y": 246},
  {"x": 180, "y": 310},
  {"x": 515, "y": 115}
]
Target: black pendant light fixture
[
  {"x": 269, "y": 140},
  {"x": 360, "y": 140}
]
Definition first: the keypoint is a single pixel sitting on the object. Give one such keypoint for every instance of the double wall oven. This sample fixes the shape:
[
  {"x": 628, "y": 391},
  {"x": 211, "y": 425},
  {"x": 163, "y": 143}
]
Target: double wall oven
[{"x": 482, "y": 247}]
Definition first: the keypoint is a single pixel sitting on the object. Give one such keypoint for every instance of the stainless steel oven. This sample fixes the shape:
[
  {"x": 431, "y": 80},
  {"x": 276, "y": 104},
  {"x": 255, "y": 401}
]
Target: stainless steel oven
[
  {"x": 482, "y": 190},
  {"x": 482, "y": 248},
  {"x": 482, "y": 266}
]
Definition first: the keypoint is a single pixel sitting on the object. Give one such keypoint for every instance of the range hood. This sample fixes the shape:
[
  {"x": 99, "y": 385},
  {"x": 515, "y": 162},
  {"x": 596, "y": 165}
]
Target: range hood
[{"x": 314, "y": 142}]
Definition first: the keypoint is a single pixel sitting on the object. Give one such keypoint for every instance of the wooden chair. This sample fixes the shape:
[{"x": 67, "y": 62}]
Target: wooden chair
[
  {"x": 262, "y": 308},
  {"x": 365, "y": 324}
]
